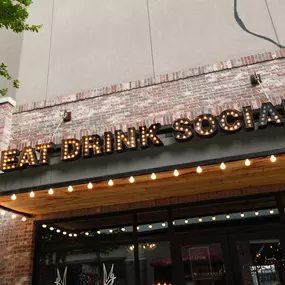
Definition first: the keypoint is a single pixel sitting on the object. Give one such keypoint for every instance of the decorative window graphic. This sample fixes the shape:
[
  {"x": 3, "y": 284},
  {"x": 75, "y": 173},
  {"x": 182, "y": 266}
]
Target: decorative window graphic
[
  {"x": 59, "y": 280},
  {"x": 108, "y": 279}
]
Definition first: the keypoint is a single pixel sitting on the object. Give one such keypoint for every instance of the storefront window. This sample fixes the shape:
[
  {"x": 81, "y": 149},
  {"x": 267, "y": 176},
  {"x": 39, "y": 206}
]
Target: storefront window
[
  {"x": 84, "y": 252},
  {"x": 261, "y": 262}
]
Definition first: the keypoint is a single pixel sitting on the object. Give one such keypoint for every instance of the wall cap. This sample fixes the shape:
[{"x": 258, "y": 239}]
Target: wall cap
[{"x": 4, "y": 100}]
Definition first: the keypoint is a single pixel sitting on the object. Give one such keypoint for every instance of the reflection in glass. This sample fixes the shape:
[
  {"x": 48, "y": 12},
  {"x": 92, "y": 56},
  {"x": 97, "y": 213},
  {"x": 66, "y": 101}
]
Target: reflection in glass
[
  {"x": 203, "y": 264},
  {"x": 261, "y": 262},
  {"x": 155, "y": 263}
]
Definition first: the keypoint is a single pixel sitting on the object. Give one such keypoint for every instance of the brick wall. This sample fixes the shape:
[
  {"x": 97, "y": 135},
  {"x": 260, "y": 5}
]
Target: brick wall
[
  {"x": 188, "y": 93},
  {"x": 6, "y": 114},
  {"x": 16, "y": 241}
]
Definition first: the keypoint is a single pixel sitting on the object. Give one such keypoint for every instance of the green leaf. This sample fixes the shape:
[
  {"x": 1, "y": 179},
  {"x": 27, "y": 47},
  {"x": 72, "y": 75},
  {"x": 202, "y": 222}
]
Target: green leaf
[
  {"x": 3, "y": 91},
  {"x": 16, "y": 83}
]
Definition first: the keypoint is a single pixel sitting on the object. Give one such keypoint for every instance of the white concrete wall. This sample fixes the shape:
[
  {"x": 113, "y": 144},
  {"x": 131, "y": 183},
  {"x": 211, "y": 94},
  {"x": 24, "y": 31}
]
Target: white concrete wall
[{"x": 93, "y": 43}]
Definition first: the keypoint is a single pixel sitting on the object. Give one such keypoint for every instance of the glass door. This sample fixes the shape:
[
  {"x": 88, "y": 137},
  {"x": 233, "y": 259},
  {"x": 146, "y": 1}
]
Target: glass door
[
  {"x": 259, "y": 257},
  {"x": 206, "y": 260}
]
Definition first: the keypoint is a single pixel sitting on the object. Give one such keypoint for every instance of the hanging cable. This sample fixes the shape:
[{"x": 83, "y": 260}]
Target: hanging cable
[{"x": 61, "y": 121}]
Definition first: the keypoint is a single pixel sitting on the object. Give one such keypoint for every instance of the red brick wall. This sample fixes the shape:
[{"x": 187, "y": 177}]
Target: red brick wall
[
  {"x": 6, "y": 114},
  {"x": 187, "y": 93},
  {"x": 16, "y": 241}
]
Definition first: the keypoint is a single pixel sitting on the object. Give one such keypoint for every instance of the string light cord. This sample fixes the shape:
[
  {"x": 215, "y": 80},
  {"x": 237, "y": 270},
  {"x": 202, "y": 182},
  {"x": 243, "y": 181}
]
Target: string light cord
[{"x": 260, "y": 84}]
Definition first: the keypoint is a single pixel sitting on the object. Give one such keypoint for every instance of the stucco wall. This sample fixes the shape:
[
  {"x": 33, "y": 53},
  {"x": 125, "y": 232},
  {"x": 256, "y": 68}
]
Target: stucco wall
[{"x": 91, "y": 43}]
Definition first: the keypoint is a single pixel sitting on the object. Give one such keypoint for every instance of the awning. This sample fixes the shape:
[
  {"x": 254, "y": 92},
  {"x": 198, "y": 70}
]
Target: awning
[{"x": 261, "y": 175}]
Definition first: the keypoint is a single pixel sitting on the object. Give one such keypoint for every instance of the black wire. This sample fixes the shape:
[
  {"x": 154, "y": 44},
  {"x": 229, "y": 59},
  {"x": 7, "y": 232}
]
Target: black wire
[{"x": 242, "y": 25}]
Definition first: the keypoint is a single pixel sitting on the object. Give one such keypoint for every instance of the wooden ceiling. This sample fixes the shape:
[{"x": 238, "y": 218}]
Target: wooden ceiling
[{"x": 261, "y": 172}]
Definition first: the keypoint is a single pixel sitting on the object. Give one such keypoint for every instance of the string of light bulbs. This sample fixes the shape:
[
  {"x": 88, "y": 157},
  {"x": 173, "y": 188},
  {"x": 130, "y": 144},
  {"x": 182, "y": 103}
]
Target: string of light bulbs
[
  {"x": 162, "y": 225},
  {"x": 5, "y": 213},
  {"x": 153, "y": 176}
]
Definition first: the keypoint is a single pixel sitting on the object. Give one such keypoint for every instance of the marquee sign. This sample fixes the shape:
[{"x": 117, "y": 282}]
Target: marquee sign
[{"x": 205, "y": 125}]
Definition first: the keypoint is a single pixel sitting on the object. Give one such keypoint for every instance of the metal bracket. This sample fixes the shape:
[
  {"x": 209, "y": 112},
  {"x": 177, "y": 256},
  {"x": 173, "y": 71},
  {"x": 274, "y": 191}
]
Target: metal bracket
[
  {"x": 255, "y": 79},
  {"x": 67, "y": 116}
]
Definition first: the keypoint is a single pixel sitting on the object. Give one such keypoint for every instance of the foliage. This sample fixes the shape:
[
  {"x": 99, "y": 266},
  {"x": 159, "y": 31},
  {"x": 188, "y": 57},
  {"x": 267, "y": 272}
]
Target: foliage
[{"x": 13, "y": 16}]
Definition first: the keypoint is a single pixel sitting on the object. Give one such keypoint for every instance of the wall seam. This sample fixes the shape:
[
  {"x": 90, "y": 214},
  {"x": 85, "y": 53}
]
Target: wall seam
[
  {"x": 49, "y": 52},
  {"x": 150, "y": 38}
]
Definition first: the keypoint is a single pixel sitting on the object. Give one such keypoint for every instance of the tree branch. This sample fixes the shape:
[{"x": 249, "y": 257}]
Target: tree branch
[{"x": 13, "y": 16}]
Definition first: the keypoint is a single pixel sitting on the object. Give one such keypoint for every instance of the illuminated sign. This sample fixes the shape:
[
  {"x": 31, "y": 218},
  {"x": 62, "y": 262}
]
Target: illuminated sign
[{"x": 184, "y": 129}]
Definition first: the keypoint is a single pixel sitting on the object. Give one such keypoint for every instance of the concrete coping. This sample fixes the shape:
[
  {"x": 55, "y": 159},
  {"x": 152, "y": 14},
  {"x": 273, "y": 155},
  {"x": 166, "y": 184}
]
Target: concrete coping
[{"x": 4, "y": 100}]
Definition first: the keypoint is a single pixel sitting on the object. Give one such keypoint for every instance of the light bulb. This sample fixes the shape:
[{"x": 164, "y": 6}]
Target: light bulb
[
  {"x": 90, "y": 185},
  {"x": 64, "y": 233},
  {"x": 32, "y": 194},
  {"x": 138, "y": 227},
  {"x": 50, "y": 191},
  {"x": 51, "y": 228},
  {"x": 271, "y": 211},
  {"x": 123, "y": 229},
  {"x": 228, "y": 216},
  {"x": 87, "y": 234},
  {"x": 3, "y": 213},
  {"x": 14, "y": 216},
  {"x": 213, "y": 218},
  {"x": 44, "y": 226},
  {"x": 110, "y": 231},
  {"x": 98, "y": 232},
  {"x": 223, "y": 166},
  {"x": 176, "y": 173},
  {"x": 75, "y": 235},
  {"x": 247, "y": 162},
  {"x": 70, "y": 235},
  {"x": 200, "y": 220},
  {"x": 242, "y": 215},
  {"x": 150, "y": 226},
  {"x": 186, "y": 221},
  {"x": 58, "y": 230},
  {"x": 24, "y": 219},
  {"x": 14, "y": 197},
  {"x": 153, "y": 176},
  {"x": 110, "y": 182},
  {"x": 256, "y": 213},
  {"x": 70, "y": 188},
  {"x": 199, "y": 169},
  {"x": 273, "y": 158},
  {"x": 163, "y": 224},
  {"x": 132, "y": 179}
]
